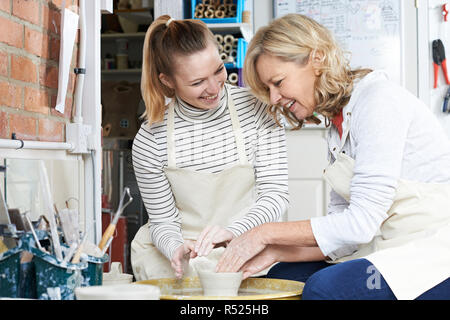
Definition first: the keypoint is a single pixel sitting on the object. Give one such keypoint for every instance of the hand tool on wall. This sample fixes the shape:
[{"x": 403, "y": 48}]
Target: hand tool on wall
[
  {"x": 446, "y": 106},
  {"x": 112, "y": 226},
  {"x": 445, "y": 8},
  {"x": 439, "y": 60}
]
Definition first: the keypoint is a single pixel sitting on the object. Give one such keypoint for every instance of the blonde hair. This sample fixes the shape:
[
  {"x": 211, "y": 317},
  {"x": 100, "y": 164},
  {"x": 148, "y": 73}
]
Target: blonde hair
[
  {"x": 294, "y": 38},
  {"x": 166, "y": 38}
]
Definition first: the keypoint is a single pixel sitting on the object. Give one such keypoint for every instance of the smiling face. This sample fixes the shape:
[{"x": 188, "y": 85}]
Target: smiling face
[
  {"x": 199, "y": 78},
  {"x": 290, "y": 84}
]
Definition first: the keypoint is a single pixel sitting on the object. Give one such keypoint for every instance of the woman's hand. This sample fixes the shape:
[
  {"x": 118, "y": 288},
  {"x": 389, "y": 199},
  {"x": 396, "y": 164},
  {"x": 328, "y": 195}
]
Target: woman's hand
[
  {"x": 181, "y": 256},
  {"x": 261, "y": 261},
  {"x": 211, "y": 237},
  {"x": 241, "y": 249}
]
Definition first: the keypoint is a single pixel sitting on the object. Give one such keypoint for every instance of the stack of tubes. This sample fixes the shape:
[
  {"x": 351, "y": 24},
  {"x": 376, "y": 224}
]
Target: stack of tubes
[
  {"x": 215, "y": 9},
  {"x": 227, "y": 45}
]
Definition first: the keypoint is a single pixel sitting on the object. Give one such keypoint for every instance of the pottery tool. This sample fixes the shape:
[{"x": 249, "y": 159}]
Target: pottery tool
[
  {"x": 50, "y": 210},
  {"x": 77, "y": 255},
  {"x": 70, "y": 252},
  {"x": 69, "y": 223},
  {"x": 4, "y": 216},
  {"x": 33, "y": 232},
  {"x": 112, "y": 226},
  {"x": 5, "y": 220}
]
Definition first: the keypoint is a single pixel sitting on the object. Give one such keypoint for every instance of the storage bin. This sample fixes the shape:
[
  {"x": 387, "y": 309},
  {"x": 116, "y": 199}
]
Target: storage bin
[
  {"x": 10, "y": 273},
  {"x": 237, "y": 19},
  {"x": 54, "y": 279},
  {"x": 241, "y": 52},
  {"x": 93, "y": 274}
]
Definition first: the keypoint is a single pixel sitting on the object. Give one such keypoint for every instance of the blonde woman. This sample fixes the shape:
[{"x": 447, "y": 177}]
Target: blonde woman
[
  {"x": 387, "y": 231},
  {"x": 210, "y": 164}
]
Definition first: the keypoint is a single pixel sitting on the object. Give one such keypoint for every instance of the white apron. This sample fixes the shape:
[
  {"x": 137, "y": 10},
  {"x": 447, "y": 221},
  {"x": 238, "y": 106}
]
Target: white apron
[
  {"x": 412, "y": 250},
  {"x": 202, "y": 199}
]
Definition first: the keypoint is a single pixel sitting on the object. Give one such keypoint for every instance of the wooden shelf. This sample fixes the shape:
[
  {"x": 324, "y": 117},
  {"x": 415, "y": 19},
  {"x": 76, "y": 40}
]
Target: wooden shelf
[
  {"x": 139, "y": 16},
  {"x": 244, "y": 28},
  {"x": 122, "y": 71},
  {"x": 112, "y": 36}
]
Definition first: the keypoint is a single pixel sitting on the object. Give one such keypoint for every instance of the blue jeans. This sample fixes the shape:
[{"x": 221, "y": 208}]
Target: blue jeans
[{"x": 352, "y": 280}]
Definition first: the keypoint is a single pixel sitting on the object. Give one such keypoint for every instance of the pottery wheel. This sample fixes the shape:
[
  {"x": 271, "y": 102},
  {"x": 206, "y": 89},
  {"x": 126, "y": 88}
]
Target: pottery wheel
[{"x": 250, "y": 289}]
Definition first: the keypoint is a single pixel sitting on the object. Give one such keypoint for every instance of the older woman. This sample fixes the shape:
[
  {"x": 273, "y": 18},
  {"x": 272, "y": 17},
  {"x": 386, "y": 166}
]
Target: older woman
[{"x": 388, "y": 218}]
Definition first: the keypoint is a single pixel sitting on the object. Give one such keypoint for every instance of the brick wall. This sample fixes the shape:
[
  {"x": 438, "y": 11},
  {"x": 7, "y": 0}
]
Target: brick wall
[{"x": 29, "y": 53}]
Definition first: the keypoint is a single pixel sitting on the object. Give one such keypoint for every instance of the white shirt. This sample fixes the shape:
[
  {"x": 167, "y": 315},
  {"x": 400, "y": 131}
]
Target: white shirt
[
  {"x": 392, "y": 135},
  {"x": 205, "y": 142}
]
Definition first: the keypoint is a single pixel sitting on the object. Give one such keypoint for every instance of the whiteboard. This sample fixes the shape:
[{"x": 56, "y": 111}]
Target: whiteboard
[{"x": 370, "y": 30}]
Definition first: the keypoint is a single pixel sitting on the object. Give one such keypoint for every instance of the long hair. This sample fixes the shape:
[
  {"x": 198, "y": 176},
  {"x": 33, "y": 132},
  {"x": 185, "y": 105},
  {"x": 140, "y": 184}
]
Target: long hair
[
  {"x": 294, "y": 38},
  {"x": 165, "y": 39}
]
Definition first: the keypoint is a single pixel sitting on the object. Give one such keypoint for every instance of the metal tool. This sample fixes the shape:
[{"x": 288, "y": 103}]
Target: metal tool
[
  {"x": 439, "y": 60},
  {"x": 112, "y": 226},
  {"x": 446, "y": 107}
]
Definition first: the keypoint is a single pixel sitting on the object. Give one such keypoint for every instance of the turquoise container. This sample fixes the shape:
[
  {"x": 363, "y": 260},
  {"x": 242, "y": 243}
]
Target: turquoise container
[
  {"x": 10, "y": 273},
  {"x": 55, "y": 279},
  {"x": 93, "y": 274}
]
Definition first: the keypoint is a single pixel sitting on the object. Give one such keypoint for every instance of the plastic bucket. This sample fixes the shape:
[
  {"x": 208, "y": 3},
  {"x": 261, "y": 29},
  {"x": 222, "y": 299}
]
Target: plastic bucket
[
  {"x": 10, "y": 273},
  {"x": 93, "y": 274},
  {"x": 56, "y": 280}
]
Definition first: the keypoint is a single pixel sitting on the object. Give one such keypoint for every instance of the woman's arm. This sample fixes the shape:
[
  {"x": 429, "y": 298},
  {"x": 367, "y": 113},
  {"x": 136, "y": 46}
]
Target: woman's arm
[
  {"x": 253, "y": 242},
  {"x": 274, "y": 253},
  {"x": 165, "y": 224},
  {"x": 271, "y": 172}
]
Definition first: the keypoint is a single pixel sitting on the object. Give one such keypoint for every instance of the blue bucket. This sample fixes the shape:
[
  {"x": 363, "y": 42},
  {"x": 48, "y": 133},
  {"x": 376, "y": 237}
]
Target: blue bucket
[
  {"x": 93, "y": 274},
  {"x": 10, "y": 273},
  {"x": 55, "y": 279}
]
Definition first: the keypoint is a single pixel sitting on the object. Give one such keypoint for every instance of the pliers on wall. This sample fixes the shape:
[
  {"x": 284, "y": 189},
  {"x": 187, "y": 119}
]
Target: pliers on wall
[{"x": 439, "y": 60}]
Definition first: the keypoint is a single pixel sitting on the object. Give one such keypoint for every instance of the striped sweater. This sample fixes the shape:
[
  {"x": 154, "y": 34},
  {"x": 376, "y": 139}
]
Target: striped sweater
[{"x": 204, "y": 142}]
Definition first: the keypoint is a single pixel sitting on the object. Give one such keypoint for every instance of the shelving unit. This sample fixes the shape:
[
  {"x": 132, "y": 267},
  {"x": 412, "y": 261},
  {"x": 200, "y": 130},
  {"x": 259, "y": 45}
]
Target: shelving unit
[{"x": 244, "y": 29}]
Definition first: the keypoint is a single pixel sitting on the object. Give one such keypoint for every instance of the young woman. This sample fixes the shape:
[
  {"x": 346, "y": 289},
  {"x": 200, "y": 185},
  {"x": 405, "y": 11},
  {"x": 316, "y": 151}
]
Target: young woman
[
  {"x": 389, "y": 171},
  {"x": 210, "y": 164}
]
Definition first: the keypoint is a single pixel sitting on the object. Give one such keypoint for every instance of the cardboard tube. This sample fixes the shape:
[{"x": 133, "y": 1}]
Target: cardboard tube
[
  {"x": 219, "y": 38},
  {"x": 228, "y": 39},
  {"x": 227, "y": 47},
  {"x": 209, "y": 13},
  {"x": 219, "y": 14},
  {"x": 233, "y": 78}
]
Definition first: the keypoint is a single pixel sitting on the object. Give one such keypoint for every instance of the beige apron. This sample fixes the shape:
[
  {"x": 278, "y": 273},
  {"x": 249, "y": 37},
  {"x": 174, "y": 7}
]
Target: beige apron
[
  {"x": 412, "y": 249},
  {"x": 202, "y": 199}
]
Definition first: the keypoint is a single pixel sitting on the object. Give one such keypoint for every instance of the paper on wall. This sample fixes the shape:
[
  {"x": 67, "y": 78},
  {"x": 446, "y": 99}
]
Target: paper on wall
[{"x": 69, "y": 27}]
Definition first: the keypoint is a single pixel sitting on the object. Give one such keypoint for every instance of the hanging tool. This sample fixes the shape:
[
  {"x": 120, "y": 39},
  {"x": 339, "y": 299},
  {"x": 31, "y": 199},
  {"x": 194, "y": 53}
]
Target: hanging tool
[
  {"x": 445, "y": 11},
  {"x": 439, "y": 60},
  {"x": 446, "y": 106},
  {"x": 112, "y": 226}
]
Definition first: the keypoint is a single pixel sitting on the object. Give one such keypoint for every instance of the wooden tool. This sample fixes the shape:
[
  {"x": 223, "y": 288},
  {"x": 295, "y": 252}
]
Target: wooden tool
[{"x": 112, "y": 226}]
